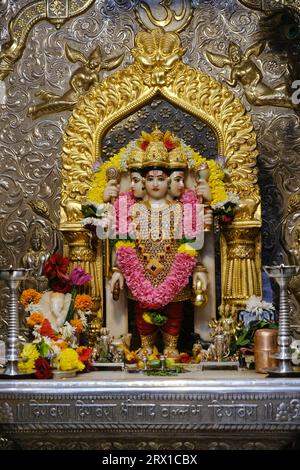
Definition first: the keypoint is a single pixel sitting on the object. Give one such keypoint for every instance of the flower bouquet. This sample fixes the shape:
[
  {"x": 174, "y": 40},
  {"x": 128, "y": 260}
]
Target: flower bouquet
[
  {"x": 226, "y": 208},
  {"x": 56, "y": 319},
  {"x": 257, "y": 310}
]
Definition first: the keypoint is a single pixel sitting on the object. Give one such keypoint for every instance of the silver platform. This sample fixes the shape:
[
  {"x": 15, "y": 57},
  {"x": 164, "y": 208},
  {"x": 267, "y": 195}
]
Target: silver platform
[{"x": 117, "y": 410}]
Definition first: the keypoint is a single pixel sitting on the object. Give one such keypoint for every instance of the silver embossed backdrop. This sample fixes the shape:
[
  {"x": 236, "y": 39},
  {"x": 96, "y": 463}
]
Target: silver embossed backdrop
[{"x": 36, "y": 68}]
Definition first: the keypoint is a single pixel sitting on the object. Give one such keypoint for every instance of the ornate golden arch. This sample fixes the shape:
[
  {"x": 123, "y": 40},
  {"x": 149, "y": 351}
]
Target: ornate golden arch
[{"x": 158, "y": 69}]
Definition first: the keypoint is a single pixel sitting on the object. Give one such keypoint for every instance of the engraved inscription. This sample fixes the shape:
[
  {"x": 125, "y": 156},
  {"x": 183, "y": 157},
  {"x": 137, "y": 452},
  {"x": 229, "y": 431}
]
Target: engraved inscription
[
  {"x": 50, "y": 411},
  {"x": 93, "y": 410},
  {"x": 130, "y": 411},
  {"x": 173, "y": 412},
  {"x": 233, "y": 413}
]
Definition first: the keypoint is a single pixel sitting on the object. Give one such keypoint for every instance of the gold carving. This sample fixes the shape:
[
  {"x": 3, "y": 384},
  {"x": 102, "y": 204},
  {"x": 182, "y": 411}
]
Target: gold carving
[
  {"x": 21, "y": 25},
  {"x": 157, "y": 54},
  {"x": 241, "y": 265},
  {"x": 81, "y": 81},
  {"x": 127, "y": 90},
  {"x": 170, "y": 343},
  {"x": 172, "y": 16},
  {"x": 245, "y": 71}
]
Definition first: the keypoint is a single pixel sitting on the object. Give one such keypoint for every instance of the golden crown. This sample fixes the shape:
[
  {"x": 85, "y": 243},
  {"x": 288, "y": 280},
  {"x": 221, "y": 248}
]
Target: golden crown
[
  {"x": 156, "y": 154},
  {"x": 135, "y": 158},
  {"x": 157, "y": 149},
  {"x": 177, "y": 158}
]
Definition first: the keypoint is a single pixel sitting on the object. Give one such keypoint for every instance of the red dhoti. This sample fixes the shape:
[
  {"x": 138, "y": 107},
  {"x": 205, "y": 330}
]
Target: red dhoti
[{"x": 174, "y": 313}]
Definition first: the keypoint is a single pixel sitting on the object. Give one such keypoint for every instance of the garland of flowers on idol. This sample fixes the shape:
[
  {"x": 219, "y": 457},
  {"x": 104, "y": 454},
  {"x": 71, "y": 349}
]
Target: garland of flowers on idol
[{"x": 151, "y": 297}]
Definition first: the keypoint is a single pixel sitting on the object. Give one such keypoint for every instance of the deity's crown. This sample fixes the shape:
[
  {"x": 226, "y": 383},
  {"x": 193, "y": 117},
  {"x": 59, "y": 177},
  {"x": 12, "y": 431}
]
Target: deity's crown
[
  {"x": 178, "y": 158},
  {"x": 156, "y": 154},
  {"x": 135, "y": 158},
  {"x": 157, "y": 149}
]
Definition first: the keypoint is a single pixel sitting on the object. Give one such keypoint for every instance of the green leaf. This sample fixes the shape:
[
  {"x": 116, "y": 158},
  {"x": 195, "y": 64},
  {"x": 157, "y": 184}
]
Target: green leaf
[
  {"x": 88, "y": 210},
  {"x": 44, "y": 349}
]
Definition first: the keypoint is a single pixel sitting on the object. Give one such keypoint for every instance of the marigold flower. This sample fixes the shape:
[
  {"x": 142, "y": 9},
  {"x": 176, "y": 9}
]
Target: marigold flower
[
  {"x": 125, "y": 244},
  {"x": 26, "y": 366},
  {"x": 36, "y": 318},
  {"x": 29, "y": 296},
  {"x": 28, "y": 356},
  {"x": 99, "y": 179},
  {"x": 62, "y": 345},
  {"x": 83, "y": 302},
  {"x": 69, "y": 360},
  {"x": 77, "y": 324}
]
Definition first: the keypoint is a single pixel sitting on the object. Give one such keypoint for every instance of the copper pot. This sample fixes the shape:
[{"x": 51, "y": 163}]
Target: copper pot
[{"x": 265, "y": 345}]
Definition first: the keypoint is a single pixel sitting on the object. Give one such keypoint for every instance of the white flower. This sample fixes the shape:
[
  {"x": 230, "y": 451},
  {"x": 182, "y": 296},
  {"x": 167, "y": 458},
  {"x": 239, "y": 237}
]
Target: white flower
[
  {"x": 295, "y": 350},
  {"x": 56, "y": 350},
  {"x": 67, "y": 330},
  {"x": 189, "y": 154},
  {"x": 82, "y": 317},
  {"x": 102, "y": 209},
  {"x": 104, "y": 222},
  {"x": 256, "y": 305},
  {"x": 130, "y": 147},
  {"x": 36, "y": 333},
  {"x": 231, "y": 197}
]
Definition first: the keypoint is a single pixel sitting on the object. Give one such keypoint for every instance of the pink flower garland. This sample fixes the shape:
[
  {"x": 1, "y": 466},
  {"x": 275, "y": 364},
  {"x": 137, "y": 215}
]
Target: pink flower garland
[{"x": 142, "y": 289}]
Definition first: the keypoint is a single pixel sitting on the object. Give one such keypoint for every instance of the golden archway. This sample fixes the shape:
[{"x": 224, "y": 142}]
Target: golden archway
[{"x": 158, "y": 69}]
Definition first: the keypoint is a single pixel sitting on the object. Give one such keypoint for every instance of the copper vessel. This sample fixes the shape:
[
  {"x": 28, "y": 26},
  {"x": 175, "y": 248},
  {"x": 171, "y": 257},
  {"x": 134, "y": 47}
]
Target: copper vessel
[{"x": 265, "y": 345}]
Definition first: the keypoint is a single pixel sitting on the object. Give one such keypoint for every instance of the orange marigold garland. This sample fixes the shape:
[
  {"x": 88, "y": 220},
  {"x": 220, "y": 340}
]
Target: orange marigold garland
[
  {"x": 29, "y": 296},
  {"x": 83, "y": 302},
  {"x": 36, "y": 318}
]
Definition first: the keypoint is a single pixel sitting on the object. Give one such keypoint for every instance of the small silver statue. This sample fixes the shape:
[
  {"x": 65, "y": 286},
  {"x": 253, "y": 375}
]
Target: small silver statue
[{"x": 35, "y": 259}]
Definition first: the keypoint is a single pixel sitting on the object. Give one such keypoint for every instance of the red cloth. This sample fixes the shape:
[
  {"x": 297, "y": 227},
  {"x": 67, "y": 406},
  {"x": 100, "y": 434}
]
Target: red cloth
[{"x": 174, "y": 313}]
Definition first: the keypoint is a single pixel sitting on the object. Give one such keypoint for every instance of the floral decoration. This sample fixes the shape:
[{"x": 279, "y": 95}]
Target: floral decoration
[
  {"x": 195, "y": 160},
  {"x": 155, "y": 318},
  {"x": 257, "y": 305},
  {"x": 226, "y": 208},
  {"x": 59, "y": 281},
  {"x": 142, "y": 289},
  {"x": 53, "y": 345}
]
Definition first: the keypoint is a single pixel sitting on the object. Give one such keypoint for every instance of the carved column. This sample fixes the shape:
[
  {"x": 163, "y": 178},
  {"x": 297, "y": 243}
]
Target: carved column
[
  {"x": 85, "y": 250},
  {"x": 241, "y": 275}
]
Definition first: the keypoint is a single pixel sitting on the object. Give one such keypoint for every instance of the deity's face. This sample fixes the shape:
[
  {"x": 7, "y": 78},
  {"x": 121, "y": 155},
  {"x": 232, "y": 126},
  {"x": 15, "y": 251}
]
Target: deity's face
[
  {"x": 36, "y": 243},
  {"x": 176, "y": 185},
  {"x": 94, "y": 64},
  {"x": 156, "y": 184},
  {"x": 235, "y": 54},
  {"x": 137, "y": 185}
]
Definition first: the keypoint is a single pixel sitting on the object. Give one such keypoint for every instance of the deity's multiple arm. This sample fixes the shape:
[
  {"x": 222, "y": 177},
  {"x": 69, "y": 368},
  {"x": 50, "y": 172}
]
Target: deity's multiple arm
[{"x": 111, "y": 190}]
